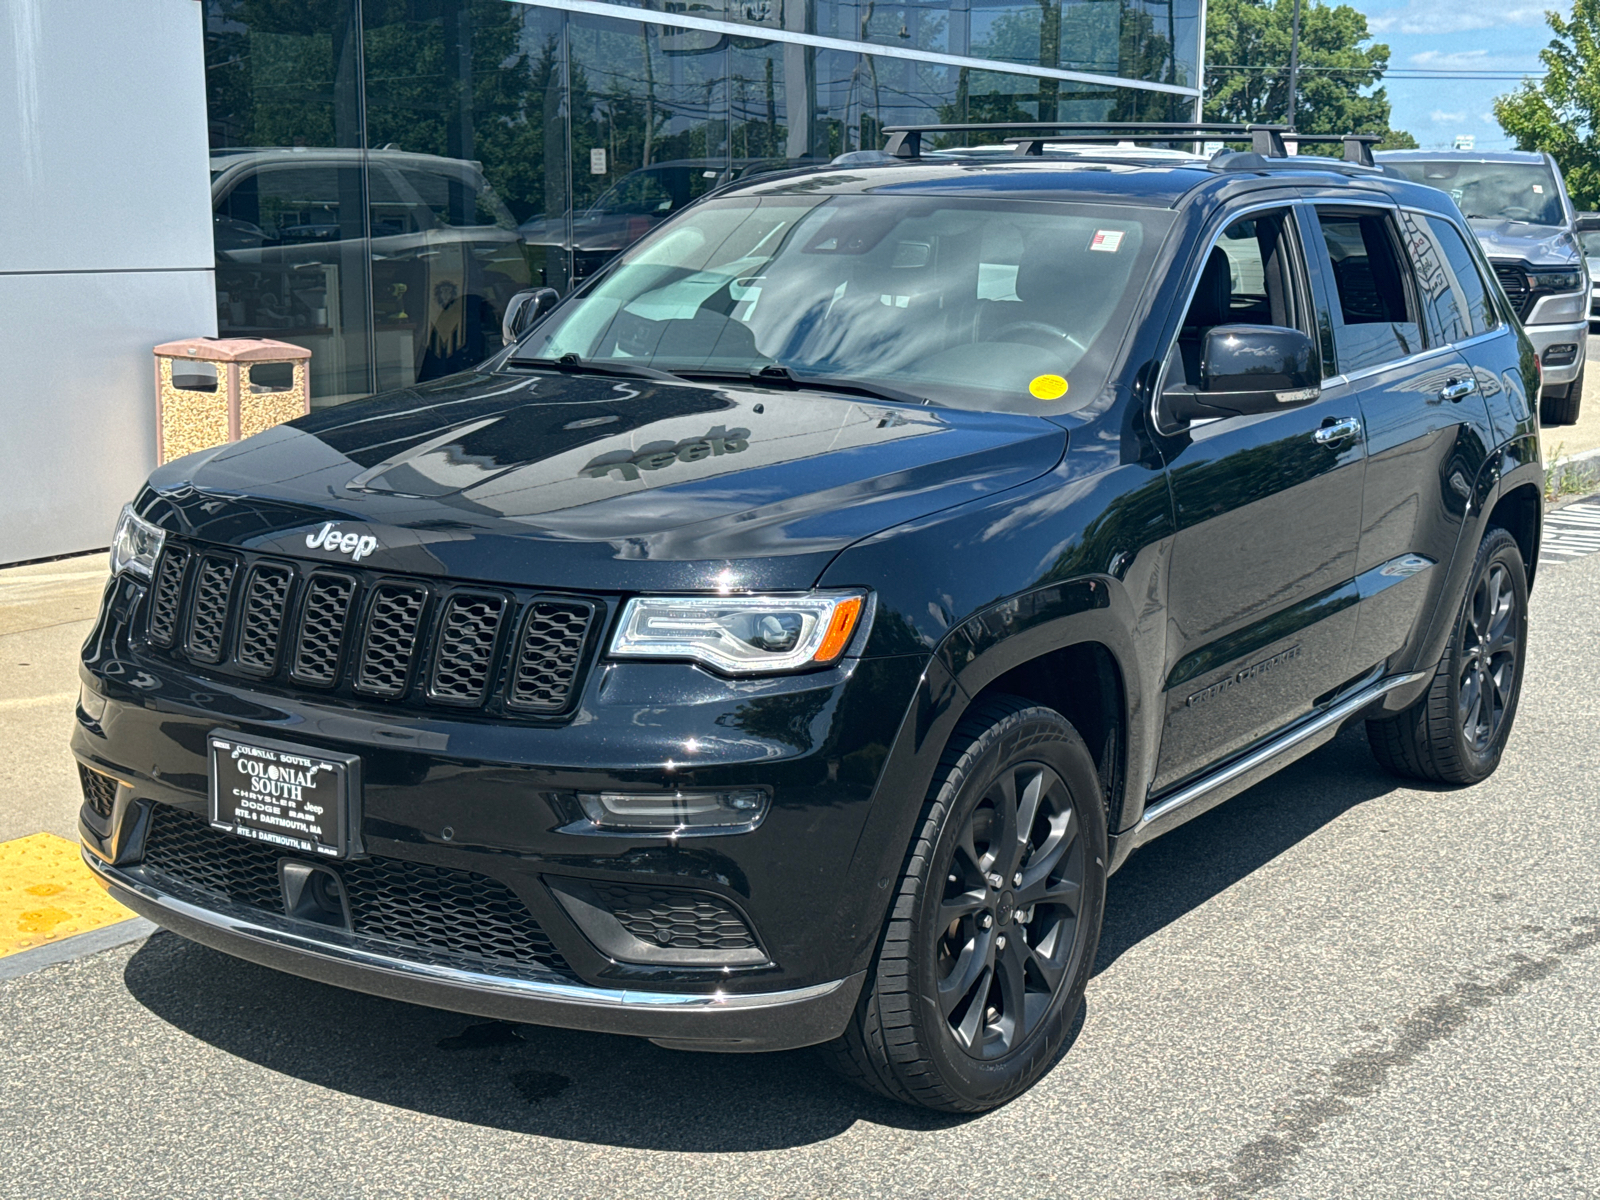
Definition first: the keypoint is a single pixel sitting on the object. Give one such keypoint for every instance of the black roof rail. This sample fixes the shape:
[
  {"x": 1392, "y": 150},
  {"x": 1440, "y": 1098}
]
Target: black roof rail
[
  {"x": 905, "y": 141},
  {"x": 1267, "y": 141}
]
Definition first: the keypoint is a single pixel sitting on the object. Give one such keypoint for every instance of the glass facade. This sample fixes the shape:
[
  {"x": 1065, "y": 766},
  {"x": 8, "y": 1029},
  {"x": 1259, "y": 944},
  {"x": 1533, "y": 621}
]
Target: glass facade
[{"x": 386, "y": 174}]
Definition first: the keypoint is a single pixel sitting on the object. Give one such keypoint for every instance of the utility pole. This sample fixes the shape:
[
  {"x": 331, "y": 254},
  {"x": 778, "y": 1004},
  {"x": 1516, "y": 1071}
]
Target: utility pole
[{"x": 1294, "y": 61}]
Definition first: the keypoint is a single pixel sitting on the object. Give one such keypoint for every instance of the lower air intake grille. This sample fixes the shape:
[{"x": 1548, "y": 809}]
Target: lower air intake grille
[
  {"x": 166, "y": 595},
  {"x": 99, "y": 791},
  {"x": 442, "y": 914},
  {"x": 466, "y": 649},
  {"x": 685, "y": 920},
  {"x": 316, "y": 654},
  {"x": 208, "y": 622},
  {"x": 391, "y": 639},
  {"x": 266, "y": 593},
  {"x": 1515, "y": 282}
]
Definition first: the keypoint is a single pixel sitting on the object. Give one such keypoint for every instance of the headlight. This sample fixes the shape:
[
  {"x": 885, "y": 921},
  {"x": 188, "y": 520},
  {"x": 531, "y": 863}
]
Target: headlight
[
  {"x": 741, "y": 635},
  {"x": 136, "y": 544},
  {"x": 1555, "y": 281}
]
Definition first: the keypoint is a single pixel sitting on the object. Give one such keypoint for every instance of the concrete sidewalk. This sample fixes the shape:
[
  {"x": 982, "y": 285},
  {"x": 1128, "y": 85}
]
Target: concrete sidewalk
[{"x": 46, "y": 610}]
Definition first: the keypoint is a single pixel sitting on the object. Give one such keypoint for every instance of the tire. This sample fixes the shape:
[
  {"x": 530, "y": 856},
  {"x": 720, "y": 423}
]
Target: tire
[
  {"x": 1456, "y": 732},
  {"x": 1562, "y": 408},
  {"x": 958, "y": 963}
]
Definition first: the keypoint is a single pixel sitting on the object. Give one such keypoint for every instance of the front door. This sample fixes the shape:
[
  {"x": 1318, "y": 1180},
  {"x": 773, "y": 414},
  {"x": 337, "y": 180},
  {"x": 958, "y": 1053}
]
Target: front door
[{"x": 1262, "y": 599}]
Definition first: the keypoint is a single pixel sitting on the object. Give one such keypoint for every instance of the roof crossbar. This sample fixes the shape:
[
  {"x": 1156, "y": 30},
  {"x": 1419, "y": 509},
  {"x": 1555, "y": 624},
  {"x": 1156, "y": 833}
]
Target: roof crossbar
[
  {"x": 1269, "y": 141},
  {"x": 905, "y": 141}
]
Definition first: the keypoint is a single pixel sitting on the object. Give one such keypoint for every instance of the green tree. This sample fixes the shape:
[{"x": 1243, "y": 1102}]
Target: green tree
[
  {"x": 1561, "y": 113},
  {"x": 1247, "y": 67}
]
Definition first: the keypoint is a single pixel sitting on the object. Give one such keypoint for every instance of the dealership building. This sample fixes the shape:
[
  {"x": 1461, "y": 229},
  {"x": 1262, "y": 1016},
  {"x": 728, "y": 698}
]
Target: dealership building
[{"x": 372, "y": 179}]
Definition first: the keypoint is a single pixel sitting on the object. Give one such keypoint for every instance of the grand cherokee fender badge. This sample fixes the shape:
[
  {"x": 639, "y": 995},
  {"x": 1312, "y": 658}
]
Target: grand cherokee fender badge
[
  {"x": 1244, "y": 675},
  {"x": 356, "y": 545}
]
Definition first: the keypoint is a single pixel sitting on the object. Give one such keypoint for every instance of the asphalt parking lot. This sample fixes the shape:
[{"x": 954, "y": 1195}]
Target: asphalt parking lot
[{"x": 1331, "y": 986}]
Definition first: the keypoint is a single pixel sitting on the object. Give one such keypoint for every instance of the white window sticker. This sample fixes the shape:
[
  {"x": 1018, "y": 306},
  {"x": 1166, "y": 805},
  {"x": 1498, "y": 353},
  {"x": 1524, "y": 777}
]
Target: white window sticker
[
  {"x": 1109, "y": 240},
  {"x": 1539, "y": 187}
]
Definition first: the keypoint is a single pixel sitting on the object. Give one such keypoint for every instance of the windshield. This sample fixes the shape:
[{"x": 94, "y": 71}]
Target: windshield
[
  {"x": 1496, "y": 190},
  {"x": 1015, "y": 306}
]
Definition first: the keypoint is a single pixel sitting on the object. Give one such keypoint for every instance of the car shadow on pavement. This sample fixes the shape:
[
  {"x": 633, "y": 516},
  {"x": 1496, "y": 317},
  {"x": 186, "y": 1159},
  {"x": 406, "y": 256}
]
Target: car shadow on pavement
[
  {"x": 1179, "y": 872},
  {"x": 600, "y": 1089}
]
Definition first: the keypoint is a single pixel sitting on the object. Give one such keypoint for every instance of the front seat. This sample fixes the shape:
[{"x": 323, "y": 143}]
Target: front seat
[{"x": 1211, "y": 306}]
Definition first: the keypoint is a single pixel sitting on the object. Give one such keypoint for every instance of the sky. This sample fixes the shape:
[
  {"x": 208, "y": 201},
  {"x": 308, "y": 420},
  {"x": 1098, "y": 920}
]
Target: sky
[{"x": 1430, "y": 40}]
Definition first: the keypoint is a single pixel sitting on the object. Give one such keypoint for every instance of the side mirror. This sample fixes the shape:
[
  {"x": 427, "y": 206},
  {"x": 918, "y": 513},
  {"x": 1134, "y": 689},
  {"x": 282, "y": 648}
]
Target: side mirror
[
  {"x": 524, "y": 310},
  {"x": 1248, "y": 369},
  {"x": 1587, "y": 223}
]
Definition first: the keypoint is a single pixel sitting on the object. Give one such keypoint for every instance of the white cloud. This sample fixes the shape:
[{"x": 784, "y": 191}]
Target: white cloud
[
  {"x": 1472, "y": 60},
  {"x": 1440, "y": 117},
  {"x": 1458, "y": 16}
]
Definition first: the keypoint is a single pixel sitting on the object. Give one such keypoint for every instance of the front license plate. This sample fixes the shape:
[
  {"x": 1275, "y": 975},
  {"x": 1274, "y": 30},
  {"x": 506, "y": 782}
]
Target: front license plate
[{"x": 283, "y": 794}]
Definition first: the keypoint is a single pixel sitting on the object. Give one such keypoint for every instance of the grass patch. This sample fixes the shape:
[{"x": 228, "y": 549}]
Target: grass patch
[{"x": 1570, "y": 478}]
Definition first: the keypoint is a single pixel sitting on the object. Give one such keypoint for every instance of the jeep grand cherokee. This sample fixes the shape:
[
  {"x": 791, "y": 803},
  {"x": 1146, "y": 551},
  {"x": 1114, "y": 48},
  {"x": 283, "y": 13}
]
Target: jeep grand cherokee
[{"x": 783, "y": 639}]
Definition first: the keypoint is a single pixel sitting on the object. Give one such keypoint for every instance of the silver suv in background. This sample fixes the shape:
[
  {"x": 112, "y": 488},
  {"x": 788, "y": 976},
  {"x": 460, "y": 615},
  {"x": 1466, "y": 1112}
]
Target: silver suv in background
[
  {"x": 1589, "y": 240},
  {"x": 1517, "y": 204}
]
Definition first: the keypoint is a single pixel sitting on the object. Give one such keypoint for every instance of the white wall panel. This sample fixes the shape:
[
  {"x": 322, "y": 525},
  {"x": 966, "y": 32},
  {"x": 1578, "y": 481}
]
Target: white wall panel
[
  {"x": 105, "y": 250},
  {"x": 77, "y": 398},
  {"x": 102, "y": 111}
]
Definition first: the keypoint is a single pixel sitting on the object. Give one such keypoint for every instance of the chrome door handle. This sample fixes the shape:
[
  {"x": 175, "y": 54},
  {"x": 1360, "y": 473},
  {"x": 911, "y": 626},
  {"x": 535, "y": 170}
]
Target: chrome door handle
[
  {"x": 1335, "y": 432},
  {"x": 1458, "y": 389}
]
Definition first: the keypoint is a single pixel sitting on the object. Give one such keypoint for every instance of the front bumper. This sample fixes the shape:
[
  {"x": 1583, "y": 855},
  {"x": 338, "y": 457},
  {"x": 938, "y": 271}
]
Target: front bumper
[
  {"x": 714, "y": 1020},
  {"x": 1572, "y": 333},
  {"x": 460, "y": 801}
]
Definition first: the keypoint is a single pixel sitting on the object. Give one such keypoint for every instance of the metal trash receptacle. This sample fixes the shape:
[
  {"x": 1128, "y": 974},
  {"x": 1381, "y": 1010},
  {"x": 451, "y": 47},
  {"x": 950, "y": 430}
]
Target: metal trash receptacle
[{"x": 208, "y": 391}]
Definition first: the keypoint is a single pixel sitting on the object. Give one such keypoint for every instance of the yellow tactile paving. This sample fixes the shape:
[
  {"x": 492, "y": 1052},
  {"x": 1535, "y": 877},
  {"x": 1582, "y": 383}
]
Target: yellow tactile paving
[{"x": 47, "y": 894}]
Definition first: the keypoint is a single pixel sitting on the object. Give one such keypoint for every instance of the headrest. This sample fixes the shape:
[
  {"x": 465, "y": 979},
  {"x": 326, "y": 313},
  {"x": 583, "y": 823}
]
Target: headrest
[{"x": 1210, "y": 305}]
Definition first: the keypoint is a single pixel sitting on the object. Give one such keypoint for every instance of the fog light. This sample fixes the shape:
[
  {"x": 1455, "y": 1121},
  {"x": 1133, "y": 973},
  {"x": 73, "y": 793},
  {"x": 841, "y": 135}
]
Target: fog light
[
  {"x": 737, "y": 809},
  {"x": 1562, "y": 354}
]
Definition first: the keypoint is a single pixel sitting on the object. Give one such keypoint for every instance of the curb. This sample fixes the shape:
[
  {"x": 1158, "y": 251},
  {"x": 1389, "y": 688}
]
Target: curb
[{"x": 25, "y": 962}]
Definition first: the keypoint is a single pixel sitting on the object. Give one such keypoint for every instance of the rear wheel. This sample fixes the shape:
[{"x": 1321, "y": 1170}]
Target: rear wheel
[
  {"x": 1561, "y": 408},
  {"x": 992, "y": 931},
  {"x": 1457, "y": 731}
]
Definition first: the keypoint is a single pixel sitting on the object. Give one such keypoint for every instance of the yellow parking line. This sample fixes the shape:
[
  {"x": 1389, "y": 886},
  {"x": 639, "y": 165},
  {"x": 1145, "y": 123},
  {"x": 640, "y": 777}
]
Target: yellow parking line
[{"x": 47, "y": 894}]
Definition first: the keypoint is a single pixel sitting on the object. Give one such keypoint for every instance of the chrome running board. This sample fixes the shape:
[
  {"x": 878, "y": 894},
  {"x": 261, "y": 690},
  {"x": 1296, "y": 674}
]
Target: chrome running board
[{"x": 1276, "y": 748}]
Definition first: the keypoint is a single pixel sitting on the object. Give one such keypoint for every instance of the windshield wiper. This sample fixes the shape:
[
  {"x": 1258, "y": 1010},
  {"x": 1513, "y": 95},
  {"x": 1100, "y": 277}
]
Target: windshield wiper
[
  {"x": 571, "y": 364},
  {"x": 779, "y": 375}
]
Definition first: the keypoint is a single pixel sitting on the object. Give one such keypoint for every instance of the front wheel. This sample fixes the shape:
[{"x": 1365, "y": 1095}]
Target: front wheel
[
  {"x": 1457, "y": 731},
  {"x": 992, "y": 932},
  {"x": 1562, "y": 408}
]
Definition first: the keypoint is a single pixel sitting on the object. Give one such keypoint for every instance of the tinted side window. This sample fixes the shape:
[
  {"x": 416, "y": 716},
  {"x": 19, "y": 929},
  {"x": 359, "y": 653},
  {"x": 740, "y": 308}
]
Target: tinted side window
[
  {"x": 1443, "y": 302},
  {"x": 1464, "y": 266},
  {"x": 1375, "y": 322}
]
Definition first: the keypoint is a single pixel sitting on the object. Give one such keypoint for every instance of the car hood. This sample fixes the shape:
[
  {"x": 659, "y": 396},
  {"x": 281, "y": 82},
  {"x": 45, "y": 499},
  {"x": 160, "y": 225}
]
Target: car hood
[
  {"x": 1518, "y": 241},
  {"x": 585, "y": 482}
]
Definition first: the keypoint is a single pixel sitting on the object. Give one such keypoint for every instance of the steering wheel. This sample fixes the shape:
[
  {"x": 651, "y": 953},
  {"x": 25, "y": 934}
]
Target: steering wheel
[
  {"x": 1047, "y": 336},
  {"x": 1517, "y": 213}
]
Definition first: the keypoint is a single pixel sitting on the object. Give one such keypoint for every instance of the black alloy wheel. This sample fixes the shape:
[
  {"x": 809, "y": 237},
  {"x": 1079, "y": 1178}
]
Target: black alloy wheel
[
  {"x": 1458, "y": 729},
  {"x": 1491, "y": 658},
  {"x": 992, "y": 931},
  {"x": 1010, "y": 910}
]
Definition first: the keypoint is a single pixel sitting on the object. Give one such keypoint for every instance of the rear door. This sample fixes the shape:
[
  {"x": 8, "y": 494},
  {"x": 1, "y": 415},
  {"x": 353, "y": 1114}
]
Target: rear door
[
  {"x": 1261, "y": 603},
  {"x": 1396, "y": 313}
]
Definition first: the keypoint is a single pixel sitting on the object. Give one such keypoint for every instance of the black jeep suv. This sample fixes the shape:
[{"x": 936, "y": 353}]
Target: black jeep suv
[{"x": 782, "y": 641}]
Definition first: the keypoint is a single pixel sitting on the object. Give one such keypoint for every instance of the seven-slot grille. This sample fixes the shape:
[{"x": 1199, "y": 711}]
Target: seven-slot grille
[
  {"x": 1514, "y": 280},
  {"x": 393, "y": 639}
]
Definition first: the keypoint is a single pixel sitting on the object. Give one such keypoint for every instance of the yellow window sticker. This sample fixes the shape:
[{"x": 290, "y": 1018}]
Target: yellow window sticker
[{"x": 1047, "y": 387}]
